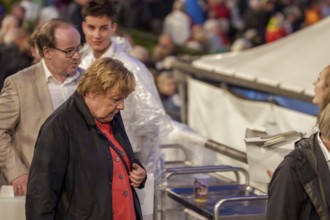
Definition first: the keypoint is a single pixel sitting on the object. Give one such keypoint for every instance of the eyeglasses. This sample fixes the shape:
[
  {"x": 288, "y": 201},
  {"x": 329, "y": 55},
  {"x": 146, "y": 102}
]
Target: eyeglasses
[{"x": 70, "y": 53}]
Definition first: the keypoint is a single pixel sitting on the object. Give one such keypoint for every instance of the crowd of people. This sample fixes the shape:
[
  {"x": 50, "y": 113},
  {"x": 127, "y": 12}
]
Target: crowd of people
[
  {"x": 217, "y": 25},
  {"x": 23, "y": 19},
  {"x": 55, "y": 77},
  {"x": 208, "y": 26},
  {"x": 37, "y": 92},
  {"x": 61, "y": 64}
]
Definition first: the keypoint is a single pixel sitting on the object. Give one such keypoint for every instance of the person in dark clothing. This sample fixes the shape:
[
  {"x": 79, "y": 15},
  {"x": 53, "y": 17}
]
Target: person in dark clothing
[
  {"x": 299, "y": 188},
  {"x": 15, "y": 54},
  {"x": 133, "y": 13},
  {"x": 167, "y": 89},
  {"x": 73, "y": 14},
  {"x": 83, "y": 165},
  {"x": 256, "y": 17},
  {"x": 12, "y": 60}
]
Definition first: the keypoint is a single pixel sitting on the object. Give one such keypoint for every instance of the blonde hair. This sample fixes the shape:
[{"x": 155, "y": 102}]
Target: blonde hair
[
  {"x": 104, "y": 74},
  {"x": 327, "y": 87},
  {"x": 324, "y": 121}
]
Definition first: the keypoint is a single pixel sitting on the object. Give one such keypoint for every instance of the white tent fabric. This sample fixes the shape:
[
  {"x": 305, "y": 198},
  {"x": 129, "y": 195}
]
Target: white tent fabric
[
  {"x": 290, "y": 64},
  {"x": 221, "y": 116}
]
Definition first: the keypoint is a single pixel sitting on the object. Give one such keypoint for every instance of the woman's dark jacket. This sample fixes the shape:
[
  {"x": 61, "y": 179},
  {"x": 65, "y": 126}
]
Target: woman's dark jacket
[
  {"x": 71, "y": 172},
  {"x": 299, "y": 189}
]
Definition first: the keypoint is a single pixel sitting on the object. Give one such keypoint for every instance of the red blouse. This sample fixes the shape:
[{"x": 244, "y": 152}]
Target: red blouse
[{"x": 122, "y": 196}]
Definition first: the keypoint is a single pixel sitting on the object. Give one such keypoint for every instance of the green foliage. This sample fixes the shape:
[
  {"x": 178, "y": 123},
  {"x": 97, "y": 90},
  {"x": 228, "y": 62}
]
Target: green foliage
[{"x": 148, "y": 40}]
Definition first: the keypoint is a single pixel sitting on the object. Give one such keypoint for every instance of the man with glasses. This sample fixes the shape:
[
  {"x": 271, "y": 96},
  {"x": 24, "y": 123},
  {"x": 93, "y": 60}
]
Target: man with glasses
[{"x": 31, "y": 95}]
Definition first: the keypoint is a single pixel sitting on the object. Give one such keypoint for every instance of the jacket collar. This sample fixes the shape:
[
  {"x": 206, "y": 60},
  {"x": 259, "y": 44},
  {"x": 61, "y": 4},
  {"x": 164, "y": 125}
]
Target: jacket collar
[
  {"x": 310, "y": 168},
  {"x": 306, "y": 170},
  {"x": 83, "y": 109},
  {"x": 116, "y": 124}
]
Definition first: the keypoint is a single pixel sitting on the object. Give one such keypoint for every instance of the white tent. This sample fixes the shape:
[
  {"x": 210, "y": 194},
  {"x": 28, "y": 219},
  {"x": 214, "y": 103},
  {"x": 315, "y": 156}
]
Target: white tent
[{"x": 286, "y": 67}]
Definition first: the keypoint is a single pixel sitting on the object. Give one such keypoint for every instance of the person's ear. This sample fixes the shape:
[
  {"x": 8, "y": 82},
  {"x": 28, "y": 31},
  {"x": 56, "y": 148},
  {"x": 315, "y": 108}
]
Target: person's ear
[
  {"x": 83, "y": 25},
  {"x": 47, "y": 52}
]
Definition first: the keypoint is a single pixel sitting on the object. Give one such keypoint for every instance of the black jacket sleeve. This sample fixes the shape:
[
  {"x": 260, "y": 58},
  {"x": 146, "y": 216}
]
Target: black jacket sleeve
[
  {"x": 47, "y": 171},
  {"x": 285, "y": 193}
]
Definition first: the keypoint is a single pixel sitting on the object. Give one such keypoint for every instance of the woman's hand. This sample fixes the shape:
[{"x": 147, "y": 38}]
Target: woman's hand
[{"x": 137, "y": 175}]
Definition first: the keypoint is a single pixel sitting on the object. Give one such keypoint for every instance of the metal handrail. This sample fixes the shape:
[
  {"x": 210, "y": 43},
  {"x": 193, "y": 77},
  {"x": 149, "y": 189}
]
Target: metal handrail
[
  {"x": 208, "y": 169},
  {"x": 233, "y": 199},
  {"x": 200, "y": 169},
  {"x": 226, "y": 150},
  {"x": 212, "y": 145},
  {"x": 186, "y": 159}
]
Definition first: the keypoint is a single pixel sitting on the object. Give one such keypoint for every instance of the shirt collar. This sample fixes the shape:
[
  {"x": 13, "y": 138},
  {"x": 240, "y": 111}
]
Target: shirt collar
[
  {"x": 108, "y": 53},
  {"x": 325, "y": 151},
  {"x": 117, "y": 44},
  {"x": 46, "y": 71},
  {"x": 50, "y": 76}
]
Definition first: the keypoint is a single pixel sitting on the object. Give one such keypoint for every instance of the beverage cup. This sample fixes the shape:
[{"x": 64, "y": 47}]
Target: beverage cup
[{"x": 201, "y": 187}]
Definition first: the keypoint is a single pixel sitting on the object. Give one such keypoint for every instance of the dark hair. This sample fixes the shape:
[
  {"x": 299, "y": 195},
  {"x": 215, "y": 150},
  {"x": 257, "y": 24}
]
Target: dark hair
[
  {"x": 45, "y": 36},
  {"x": 100, "y": 8}
]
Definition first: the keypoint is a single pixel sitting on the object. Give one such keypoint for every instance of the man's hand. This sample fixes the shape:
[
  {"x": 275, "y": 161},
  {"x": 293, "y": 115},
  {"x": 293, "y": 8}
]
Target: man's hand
[
  {"x": 20, "y": 184},
  {"x": 137, "y": 175}
]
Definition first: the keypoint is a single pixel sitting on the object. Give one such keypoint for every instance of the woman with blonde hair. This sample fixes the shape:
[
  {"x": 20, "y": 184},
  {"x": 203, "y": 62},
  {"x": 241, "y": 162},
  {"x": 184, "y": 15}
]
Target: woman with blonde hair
[{"x": 299, "y": 188}]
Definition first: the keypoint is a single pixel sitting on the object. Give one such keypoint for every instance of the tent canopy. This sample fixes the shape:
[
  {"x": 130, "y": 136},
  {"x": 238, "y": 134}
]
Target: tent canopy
[{"x": 287, "y": 66}]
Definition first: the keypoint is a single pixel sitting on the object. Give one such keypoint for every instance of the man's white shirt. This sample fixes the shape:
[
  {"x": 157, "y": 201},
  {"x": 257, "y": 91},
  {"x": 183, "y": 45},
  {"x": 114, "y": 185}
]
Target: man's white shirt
[{"x": 60, "y": 92}]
